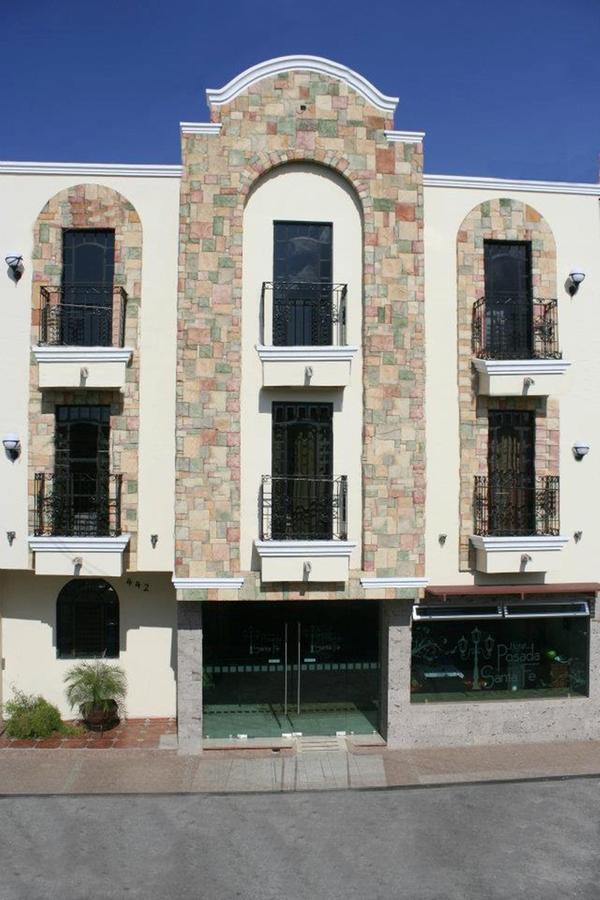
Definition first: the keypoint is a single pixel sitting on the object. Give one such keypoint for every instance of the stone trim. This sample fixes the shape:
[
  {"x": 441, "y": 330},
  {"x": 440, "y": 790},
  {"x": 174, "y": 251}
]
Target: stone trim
[
  {"x": 82, "y": 354},
  {"x": 90, "y": 206},
  {"x": 81, "y": 544},
  {"x": 289, "y": 117},
  {"x": 318, "y": 64},
  {"x": 497, "y": 219},
  {"x": 306, "y": 354}
]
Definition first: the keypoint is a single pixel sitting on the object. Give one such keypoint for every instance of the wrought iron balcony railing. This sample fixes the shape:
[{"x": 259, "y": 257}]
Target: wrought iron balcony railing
[
  {"x": 305, "y": 509},
  {"x": 511, "y": 505},
  {"x": 506, "y": 329},
  {"x": 83, "y": 316},
  {"x": 304, "y": 314},
  {"x": 74, "y": 504}
]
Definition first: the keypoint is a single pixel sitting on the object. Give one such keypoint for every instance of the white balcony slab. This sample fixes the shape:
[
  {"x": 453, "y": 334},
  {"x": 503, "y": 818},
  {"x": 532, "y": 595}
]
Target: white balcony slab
[
  {"x": 85, "y": 556},
  {"x": 513, "y": 554},
  {"x": 304, "y": 561},
  {"x": 317, "y": 366},
  {"x": 82, "y": 367},
  {"x": 521, "y": 377}
]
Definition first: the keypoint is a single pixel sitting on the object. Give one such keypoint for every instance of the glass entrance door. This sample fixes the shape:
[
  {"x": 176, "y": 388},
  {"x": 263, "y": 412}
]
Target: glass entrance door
[{"x": 291, "y": 669}]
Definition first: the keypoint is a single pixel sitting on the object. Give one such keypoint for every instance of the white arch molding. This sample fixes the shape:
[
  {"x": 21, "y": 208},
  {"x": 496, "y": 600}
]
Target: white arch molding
[{"x": 270, "y": 67}]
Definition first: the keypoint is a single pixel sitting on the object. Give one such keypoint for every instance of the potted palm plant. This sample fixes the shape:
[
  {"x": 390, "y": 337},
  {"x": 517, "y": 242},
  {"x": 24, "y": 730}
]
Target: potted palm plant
[{"x": 97, "y": 690}]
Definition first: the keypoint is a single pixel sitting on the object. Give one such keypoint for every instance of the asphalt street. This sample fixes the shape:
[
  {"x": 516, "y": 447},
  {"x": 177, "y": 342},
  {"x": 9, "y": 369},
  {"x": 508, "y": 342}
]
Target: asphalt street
[{"x": 536, "y": 840}]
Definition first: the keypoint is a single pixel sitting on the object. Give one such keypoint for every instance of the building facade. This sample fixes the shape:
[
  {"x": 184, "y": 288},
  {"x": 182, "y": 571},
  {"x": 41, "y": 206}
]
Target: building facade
[{"x": 298, "y": 432}]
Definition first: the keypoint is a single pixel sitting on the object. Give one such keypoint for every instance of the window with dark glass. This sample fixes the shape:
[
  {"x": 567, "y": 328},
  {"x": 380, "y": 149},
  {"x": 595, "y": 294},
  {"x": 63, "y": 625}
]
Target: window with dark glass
[
  {"x": 511, "y": 472},
  {"x": 87, "y": 287},
  {"x": 302, "y": 283},
  {"x": 87, "y": 619},
  {"x": 525, "y": 652},
  {"x": 508, "y": 299},
  {"x": 81, "y": 471},
  {"x": 302, "y": 471}
]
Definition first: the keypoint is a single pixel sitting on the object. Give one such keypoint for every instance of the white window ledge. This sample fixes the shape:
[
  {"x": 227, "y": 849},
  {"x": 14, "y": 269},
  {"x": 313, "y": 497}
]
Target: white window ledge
[
  {"x": 80, "y": 544},
  {"x": 82, "y": 355},
  {"x": 521, "y": 366},
  {"x": 316, "y": 353},
  {"x": 519, "y": 544},
  {"x": 304, "y": 548},
  {"x": 190, "y": 584},
  {"x": 373, "y": 584}
]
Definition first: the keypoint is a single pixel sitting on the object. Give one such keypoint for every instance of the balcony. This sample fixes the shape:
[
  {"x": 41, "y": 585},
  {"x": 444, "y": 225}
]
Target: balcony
[
  {"x": 517, "y": 524},
  {"x": 77, "y": 524},
  {"x": 303, "y": 335},
  {"x": 515, "y": 347},
  {"x": 81, "y": 337},
  {"x": 304, "y": 529}
]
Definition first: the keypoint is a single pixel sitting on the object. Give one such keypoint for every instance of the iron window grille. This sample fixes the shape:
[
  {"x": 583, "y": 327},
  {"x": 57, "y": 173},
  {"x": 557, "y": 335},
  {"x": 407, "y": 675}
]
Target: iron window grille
[
  {"x": 507, "y": 504},
  {"x": 305, "y": 314},
  {"x": 505, "y": 329},
  {"x": 87, "y": 620},
  {"x": 302, "y": 508},
  {"x": 83, "y": 316},
  {"x": 77, "y": 504}
]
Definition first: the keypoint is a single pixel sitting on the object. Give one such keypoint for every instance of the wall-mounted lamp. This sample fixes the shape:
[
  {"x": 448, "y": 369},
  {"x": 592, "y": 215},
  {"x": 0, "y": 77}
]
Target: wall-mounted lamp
[
  {"x": 442, "y": 539},
  {"x": 154, "y": 540},
  {"x": 307, "y": 568},
  {"x": 14, "y": 261},
  {"x": 576, "y": 276},
  {"x": 580, "y": 449},
  {"x": 12, "y": 445},
  {"x": 577, "y": 535},
  {"x": 10, "y": 536}
]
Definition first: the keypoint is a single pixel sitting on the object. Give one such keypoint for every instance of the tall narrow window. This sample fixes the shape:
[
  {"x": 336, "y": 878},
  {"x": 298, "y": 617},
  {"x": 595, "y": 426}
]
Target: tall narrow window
[
  {"x": 302, "y": 278},
  {"x": 302, "y": 471},
  {"x": 81, "y": 476},
  {"x": 87, "y": 619},
  {"x": 508, "y": 299},
  {"x": 511, "y": 472},
  {"x": 87, "y": 287}
]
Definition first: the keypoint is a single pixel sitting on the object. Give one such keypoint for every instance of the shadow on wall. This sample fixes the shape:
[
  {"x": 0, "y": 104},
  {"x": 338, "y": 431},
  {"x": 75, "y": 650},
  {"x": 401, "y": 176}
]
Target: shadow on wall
[{"x": 145, "y": 601}]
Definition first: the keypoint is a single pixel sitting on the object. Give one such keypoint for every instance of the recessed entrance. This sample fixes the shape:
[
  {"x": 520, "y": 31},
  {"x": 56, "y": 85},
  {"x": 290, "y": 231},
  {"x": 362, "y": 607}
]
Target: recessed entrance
[{"x": 273, "y": 669}]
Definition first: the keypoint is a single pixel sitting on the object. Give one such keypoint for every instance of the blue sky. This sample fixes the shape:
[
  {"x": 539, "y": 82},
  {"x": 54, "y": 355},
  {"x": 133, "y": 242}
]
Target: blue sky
[{"x": 510, "y": 88}]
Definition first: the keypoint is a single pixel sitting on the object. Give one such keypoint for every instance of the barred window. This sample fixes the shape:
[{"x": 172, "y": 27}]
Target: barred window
[{"x": 87, "y": 620}]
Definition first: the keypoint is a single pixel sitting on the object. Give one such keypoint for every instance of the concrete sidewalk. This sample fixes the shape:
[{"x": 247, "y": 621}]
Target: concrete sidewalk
[{"x": 100, "y": 771}]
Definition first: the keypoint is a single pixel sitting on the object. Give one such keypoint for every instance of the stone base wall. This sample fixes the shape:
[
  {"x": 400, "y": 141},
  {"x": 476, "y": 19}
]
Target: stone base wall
[{"x": 189, "y": 676}]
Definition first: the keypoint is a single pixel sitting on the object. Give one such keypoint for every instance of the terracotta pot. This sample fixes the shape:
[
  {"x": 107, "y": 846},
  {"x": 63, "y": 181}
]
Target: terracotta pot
[{"x": 99, "y": 718}]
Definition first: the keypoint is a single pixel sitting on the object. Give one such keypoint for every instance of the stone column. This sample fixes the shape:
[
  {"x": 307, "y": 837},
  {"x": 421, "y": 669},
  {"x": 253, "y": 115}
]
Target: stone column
[
  {"x": 395, "y": 665},
  {"x": 189, "y": 675}
]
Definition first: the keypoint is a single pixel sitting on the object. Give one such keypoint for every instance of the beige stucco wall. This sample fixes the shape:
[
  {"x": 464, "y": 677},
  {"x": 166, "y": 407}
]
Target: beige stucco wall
[
  {"x": 156, "y": 200},
  {"x": 575, "y": 222},
  {"x": 299, "y": 192},
  {"x": 147, "y": 647}
]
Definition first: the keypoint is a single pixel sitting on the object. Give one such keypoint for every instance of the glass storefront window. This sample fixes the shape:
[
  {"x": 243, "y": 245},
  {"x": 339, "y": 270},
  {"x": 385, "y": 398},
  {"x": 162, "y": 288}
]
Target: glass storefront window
[{"x": 499, "y": 659}]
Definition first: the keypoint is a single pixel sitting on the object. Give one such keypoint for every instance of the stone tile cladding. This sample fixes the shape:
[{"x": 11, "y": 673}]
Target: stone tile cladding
[
  {"x": 307, "y": 117},
  {"x": 509, "y": 220},
  {"x": 90, "y": 206}
]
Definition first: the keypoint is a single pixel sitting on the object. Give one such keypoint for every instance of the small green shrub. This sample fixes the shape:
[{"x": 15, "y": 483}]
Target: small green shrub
[
  {"x": 30, "y": 716},
  {"x": 95, "y": 686}
]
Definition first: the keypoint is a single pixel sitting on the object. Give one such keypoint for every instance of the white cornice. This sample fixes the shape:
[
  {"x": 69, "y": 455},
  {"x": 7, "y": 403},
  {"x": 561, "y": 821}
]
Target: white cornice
[
  {"x": 79, "y": 544},
  {"x": 306, "y": 354},
  {"x": 71, "y": 168},
  {"x": 405, "y": 137},
  {"x": 508, "y": 184},
  {"x": 519, "y": 544},
  {"x": 301, "y": 63},
  {"x": 373, "y": 584},
  {"x": 304, "y": 548},
  {"x": 82, "y": 355},
  {"x": 190, "y": 584},
  {"x": 521, "y": 366},
  {"x": 200, "y": 127}
]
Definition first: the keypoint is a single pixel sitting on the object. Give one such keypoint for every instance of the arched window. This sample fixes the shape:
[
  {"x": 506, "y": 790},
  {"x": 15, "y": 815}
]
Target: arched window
[{"x": 87, "y": 619}]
